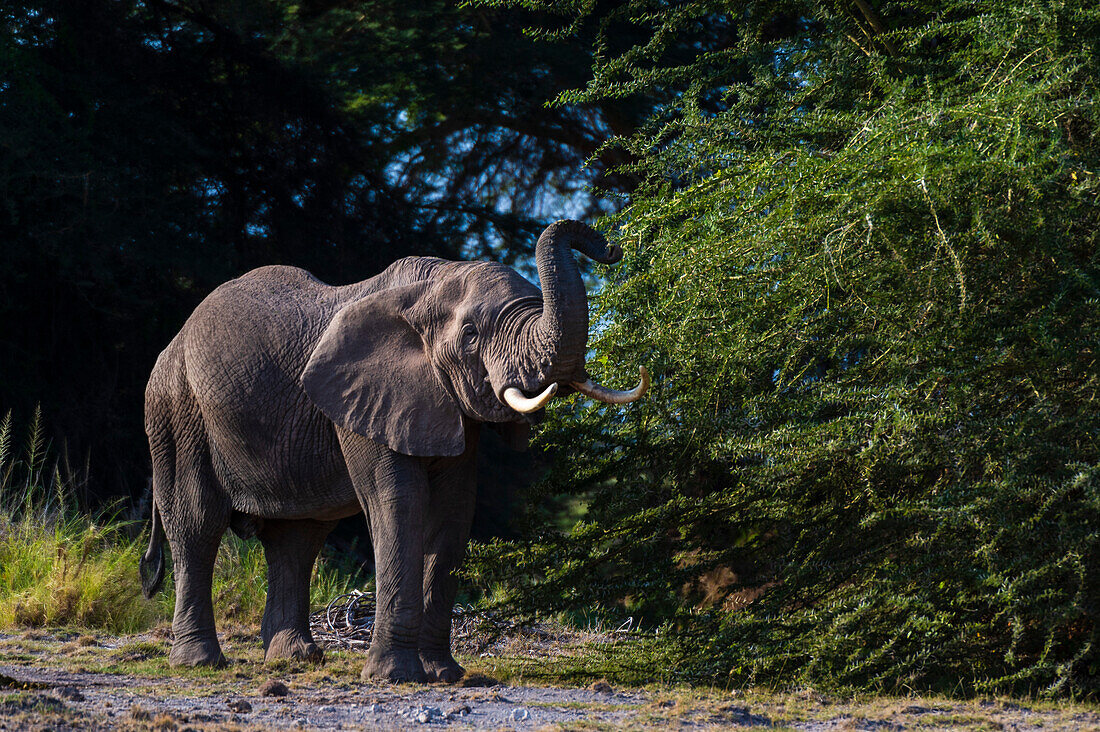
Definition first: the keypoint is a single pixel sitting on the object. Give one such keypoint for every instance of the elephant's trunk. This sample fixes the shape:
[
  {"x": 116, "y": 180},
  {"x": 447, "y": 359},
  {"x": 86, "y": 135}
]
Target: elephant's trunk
[{"x": 560, "y": 334}]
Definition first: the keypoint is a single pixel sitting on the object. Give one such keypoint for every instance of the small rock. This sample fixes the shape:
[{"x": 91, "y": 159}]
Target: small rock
[
  {"x": 273, "y": 688},
  {"x": 423, "y": 715},
  {"x": 601, "y": 687},
  {"x": 238, "y": 705},
  {"x": 519, "y": 714},
  {"x": 71, "y": 693},
  {"x": 374, "y": 708}
]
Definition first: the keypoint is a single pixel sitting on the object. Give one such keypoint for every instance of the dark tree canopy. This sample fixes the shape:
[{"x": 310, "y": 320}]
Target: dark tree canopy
[{"x": 152, "y": 150}]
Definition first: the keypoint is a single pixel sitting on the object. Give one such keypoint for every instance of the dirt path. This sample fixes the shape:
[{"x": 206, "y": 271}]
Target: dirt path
[
  {"x": 62, "y": 681},
  {"x": 96, "y": 700}
]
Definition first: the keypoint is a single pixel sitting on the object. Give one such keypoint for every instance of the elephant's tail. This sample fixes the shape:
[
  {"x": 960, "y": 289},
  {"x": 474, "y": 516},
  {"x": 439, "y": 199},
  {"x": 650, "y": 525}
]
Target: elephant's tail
[{"x": 151, "y": 567}]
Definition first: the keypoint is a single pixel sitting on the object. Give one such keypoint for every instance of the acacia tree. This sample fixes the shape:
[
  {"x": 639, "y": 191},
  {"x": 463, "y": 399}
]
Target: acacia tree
[{"x": 863, "y": 267}]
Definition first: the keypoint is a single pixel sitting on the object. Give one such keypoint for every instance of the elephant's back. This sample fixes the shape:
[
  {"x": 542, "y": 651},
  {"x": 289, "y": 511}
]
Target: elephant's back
[
  {"x": 244, "y": 349},
  {"x": 255, "y": 330}
]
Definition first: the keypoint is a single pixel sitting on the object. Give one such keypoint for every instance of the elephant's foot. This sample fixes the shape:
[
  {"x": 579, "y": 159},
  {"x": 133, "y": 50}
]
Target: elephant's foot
[
  {"x": 395, "y": 665},
  {"x": 292, "y": 644},
  {"x": 202, "y": 651},
  {"x": 441, "y": 666}
]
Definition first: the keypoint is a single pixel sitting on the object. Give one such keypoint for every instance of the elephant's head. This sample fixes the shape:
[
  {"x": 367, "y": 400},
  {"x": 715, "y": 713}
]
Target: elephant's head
[{"x": 438, "y": 339}]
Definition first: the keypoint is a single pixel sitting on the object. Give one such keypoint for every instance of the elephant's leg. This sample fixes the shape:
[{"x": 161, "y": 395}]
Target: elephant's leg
[
  {"x": 450, "y": 514},
  {"x": 393, "y": 489},
  {"x": 196, "y": 514},
  {"x": 291, "y": 547},
  {"x": 194, "y": 638}
]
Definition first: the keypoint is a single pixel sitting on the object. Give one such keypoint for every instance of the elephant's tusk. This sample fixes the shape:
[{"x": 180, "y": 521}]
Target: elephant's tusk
[
  {"x": 514, "y": 398},
  {"x": 612, "y": 396}
]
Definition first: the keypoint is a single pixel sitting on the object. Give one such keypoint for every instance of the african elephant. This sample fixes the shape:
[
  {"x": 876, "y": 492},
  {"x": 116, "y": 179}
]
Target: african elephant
[{"x": 285, "y": 404}]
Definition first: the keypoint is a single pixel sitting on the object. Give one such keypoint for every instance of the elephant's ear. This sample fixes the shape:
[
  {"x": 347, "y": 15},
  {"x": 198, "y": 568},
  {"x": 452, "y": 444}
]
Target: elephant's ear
[{"x": 370, "y": 373}]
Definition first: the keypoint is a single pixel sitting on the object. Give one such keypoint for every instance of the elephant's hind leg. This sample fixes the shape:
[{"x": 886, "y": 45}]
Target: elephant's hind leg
[
  {"x": 291, "y": 547},
  {"x": 194, "y": 638},
  {"x": 195, "y": 512}
]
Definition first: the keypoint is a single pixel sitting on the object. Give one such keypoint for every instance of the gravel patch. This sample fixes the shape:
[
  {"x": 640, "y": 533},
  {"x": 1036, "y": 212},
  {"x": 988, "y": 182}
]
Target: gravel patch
[{"x": 82, "y": 688}]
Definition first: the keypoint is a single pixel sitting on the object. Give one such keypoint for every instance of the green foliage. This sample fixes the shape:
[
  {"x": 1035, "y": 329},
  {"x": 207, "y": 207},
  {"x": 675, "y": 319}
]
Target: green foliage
[
  {"x": 60, "y": 565},
  {"x": 863, "y": 268}
]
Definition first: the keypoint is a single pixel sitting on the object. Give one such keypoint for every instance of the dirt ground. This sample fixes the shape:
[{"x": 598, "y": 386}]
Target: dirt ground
[{"x": 62, "y": 680}]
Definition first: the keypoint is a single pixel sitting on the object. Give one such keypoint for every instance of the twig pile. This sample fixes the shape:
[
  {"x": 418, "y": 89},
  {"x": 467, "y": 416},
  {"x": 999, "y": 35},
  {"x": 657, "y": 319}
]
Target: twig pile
[{"x": 348, "y": 622}]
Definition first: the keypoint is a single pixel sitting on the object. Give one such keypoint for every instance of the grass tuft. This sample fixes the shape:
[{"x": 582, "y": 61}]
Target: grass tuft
[{"x": 59, "y": 566}]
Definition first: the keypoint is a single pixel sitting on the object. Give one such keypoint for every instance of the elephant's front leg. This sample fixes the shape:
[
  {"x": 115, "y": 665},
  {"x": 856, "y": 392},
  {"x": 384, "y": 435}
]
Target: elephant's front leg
[
  {"x": 450, "y": 513},
  {"x": 393, "y": 489}
]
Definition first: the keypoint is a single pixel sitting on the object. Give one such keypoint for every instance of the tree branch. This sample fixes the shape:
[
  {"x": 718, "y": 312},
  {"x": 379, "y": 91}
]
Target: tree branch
[{"x": 876, "y": 23}]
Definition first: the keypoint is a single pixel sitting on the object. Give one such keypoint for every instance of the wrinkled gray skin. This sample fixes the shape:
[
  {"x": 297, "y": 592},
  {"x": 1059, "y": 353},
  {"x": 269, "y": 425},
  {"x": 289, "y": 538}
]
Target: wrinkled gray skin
[{"x": 285, "y": 404}]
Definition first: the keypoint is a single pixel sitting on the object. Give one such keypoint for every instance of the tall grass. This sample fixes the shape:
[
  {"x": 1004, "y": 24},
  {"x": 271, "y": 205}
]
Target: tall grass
[
  {"x": 61, "y": 564},
  {"x": 58, "y": 565}
]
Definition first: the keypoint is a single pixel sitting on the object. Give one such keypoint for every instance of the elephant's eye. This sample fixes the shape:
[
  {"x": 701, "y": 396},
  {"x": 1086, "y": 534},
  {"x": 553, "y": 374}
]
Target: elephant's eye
[{"x": 469, "y": 336}]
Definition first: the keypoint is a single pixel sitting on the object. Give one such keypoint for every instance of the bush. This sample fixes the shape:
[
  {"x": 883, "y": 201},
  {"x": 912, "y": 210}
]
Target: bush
[{"x": 863, "y": 266}]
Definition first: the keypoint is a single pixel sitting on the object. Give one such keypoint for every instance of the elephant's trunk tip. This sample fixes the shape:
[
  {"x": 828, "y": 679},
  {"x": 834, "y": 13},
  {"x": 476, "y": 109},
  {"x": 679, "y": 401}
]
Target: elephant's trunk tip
[{"x": 585, "y": 240}]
